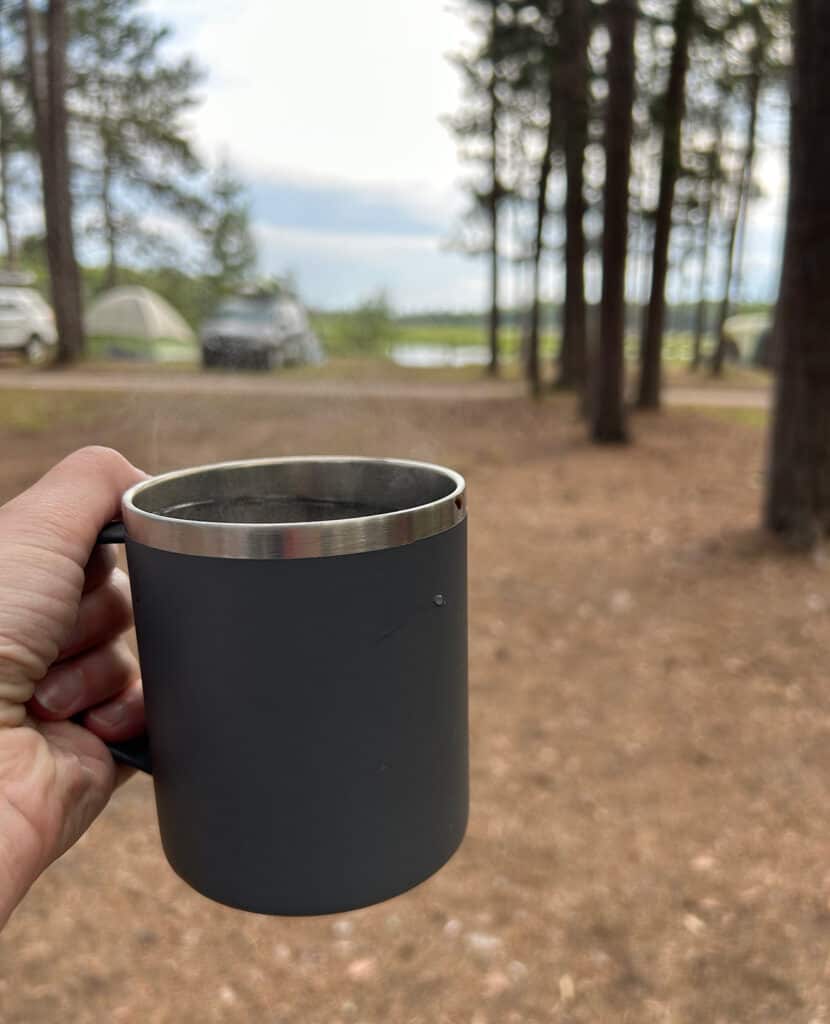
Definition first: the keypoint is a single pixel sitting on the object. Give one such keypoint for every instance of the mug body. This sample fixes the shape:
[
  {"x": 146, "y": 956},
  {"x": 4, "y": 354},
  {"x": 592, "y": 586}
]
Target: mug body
[{"x": 305, "y": 676}]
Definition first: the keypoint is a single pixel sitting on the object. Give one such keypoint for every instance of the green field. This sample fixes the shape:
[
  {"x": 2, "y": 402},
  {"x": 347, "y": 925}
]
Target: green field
[
  {"x": 758, "y": 418},
  {"x": 339, "y": 336},
  {"x": 160, "y": 350}
]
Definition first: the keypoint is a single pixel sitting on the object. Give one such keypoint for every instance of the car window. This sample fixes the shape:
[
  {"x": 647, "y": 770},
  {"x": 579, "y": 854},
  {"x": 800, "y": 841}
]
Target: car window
[
  {"x": 249, "y": 310},
  {"x": 10, "y": 305},
  {"x": 290, "y": 317}
]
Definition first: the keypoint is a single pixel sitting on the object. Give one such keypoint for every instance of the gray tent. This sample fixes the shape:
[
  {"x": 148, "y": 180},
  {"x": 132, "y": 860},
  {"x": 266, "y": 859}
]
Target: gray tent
[{"x": 134, "y": 322}]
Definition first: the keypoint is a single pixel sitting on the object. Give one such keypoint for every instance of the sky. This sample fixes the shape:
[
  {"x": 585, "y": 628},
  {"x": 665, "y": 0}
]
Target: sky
[{"x": 331, "y": 113}]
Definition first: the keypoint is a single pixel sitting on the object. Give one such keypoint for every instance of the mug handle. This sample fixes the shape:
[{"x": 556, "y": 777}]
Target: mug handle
[{"x": 134, "y": 752}]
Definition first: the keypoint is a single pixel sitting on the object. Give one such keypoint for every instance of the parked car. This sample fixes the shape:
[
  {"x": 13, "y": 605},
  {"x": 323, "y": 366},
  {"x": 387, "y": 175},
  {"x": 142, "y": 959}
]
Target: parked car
[
  {"x": 259, "y": 332},
  {"x": 27, "y": 324}
]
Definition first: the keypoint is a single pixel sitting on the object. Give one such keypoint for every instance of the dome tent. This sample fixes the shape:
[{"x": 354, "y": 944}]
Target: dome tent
[{"x": 137, "y": 323}]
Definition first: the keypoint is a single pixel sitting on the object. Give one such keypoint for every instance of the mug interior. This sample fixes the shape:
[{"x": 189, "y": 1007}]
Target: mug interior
[{"x": 294, "y": 491}]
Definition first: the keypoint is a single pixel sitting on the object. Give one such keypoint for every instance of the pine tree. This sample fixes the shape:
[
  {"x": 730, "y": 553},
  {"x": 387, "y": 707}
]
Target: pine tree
[
  {"x": 46, "y": 77},
  {"x": 226, "y": 231},
  {"x": 607, "y": 404},
  {"x": 575, "y": 121},
  {"x": 798, "y": 484},
  {"x": 756, "y": 39},
  {"x": 673, "y": 110},
  {"x": 489, "y": 74},
  {"x": 15, "y": 124},
  {"x": 127, "y": 103}
]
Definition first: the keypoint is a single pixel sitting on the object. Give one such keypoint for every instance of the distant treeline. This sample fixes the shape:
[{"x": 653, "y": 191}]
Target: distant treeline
[{"x": 680, "y": 317}]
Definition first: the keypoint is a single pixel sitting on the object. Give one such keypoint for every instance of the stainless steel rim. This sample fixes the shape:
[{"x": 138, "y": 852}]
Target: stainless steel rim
[{"x": 316, "y": 539}]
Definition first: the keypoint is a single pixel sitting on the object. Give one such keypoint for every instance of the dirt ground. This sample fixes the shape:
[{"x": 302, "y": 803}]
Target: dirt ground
[{"x": 650, "y": 713}]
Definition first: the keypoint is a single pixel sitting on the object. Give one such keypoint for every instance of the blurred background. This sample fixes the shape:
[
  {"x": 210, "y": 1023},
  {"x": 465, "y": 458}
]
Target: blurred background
[{"x": 576, "y": 250}]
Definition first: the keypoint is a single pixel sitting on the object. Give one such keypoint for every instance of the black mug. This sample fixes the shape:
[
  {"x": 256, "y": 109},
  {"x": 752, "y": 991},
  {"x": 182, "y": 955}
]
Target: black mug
[{"x": 302, "y": 633}]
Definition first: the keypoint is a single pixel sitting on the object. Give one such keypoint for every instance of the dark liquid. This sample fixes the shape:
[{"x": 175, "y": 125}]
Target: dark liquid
[{"x": 277, "y": 508}]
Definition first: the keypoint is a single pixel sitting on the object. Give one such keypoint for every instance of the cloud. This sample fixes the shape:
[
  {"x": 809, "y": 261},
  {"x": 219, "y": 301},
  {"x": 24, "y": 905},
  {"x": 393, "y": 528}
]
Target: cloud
[
  {"x": 354, "y": 91},
  {"x": 336, "y": 269},
  {"x": 348, "y": 206},
  {"x": 331, "y": 112}
]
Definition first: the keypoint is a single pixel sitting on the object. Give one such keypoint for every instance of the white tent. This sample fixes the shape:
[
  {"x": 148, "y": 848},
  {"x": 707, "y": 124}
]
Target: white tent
[
  {"x": 135, "y": 321},
  {"x": 744, "y": 329}
]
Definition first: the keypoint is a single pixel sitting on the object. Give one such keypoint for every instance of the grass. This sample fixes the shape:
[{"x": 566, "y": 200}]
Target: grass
[
  {"x": 734, "y": 376},
  {"x": 348, "y": 355},
  {"x": 140, "y": 349},
  {"x": 377, "y": 368},
  {"x": 330, "y": 327},
  {"x": 757, "y": 418},
  {"x": 25, "y": 413},
  {"x": 460, "y": 335},
  {"x": 31, "y": 412}
]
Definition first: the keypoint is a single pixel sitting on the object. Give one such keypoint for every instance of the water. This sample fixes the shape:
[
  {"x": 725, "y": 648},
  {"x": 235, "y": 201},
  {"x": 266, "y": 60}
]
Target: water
[{"x": 417, "y": 354}]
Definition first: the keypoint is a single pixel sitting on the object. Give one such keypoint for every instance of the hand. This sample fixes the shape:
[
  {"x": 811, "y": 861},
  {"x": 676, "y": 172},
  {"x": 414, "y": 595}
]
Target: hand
[{"x": 63, "y": 608}]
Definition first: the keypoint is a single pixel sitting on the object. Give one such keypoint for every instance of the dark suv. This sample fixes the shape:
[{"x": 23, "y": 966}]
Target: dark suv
[{"x": 259, "y": 333}]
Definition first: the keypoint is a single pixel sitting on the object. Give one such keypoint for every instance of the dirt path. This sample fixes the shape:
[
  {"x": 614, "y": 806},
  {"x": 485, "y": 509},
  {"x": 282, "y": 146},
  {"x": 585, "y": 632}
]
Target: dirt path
[
  {"x": 170, "y": 383},
  {"x": 649, "y": 840}
]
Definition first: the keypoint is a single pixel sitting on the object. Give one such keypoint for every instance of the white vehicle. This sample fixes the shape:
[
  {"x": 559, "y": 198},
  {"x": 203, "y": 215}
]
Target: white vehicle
[{"x": 27, "y": 324}]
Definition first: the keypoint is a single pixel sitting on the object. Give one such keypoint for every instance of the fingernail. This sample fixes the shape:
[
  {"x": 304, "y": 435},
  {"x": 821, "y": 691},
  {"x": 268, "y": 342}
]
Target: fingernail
[
  {"x": 61, "y": 693},
  {"x": 110, "y": 714}
]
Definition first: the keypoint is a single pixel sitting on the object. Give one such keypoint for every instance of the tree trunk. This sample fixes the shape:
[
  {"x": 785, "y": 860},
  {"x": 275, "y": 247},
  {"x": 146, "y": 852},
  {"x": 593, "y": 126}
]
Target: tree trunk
[
  {"x": 700, "y": 312},
  {"x": 111, "y": 275},
  {"x": 574, "y": 79},
  {"x": 47, "y": 89},
  {"x": 798, "y": 483},
  {"x": 643, "y": 250},
  {"x": 740, "y": 207},
  {"x": 651, "y": 345},
  {"x": 608, "y": 412},
  {"x": 712, "y": 170},
  {"x": 493, "y": 365},
  {"x": 5, "y": 152},
  {"x": 35, "y": 81},
  {"x": 541, "y": 214}
]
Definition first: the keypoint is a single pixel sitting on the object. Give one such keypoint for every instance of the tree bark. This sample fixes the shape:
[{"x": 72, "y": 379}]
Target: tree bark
[
  {"x": 741, "y": 202},
  {"x": 651, "y": 344},
  {"x": 111, "y": 275},
  {"x": 712, "y": 171},
  {"x": 700, "y": 312},
  {"x": 574, "y": 86},
  {"x": 5, "y": 152},
  {"x": 798, "y": 484},
  {"x": 47, "y": 94},
  {"x": 493, "y": 365},
  {"x": 35, "y": 81},
  {"x": 532, "y": 366},
  {"x": 608, "y": 412}
]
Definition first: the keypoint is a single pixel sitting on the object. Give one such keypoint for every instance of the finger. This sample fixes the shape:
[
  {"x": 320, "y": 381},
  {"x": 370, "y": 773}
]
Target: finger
[
  {"x": 78, "y": 683},
  {"x": 120, "y": 718},
  {"x": 101, "y": 563},
  {"x": 103, "y": 615},
  {"x": 67, "y": 507}
]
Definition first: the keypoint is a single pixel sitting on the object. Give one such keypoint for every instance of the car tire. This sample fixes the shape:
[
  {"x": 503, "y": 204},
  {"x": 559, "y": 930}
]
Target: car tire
[
  {"x": 36, "y": 350},
  {"x": 274, "y": 359}
]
